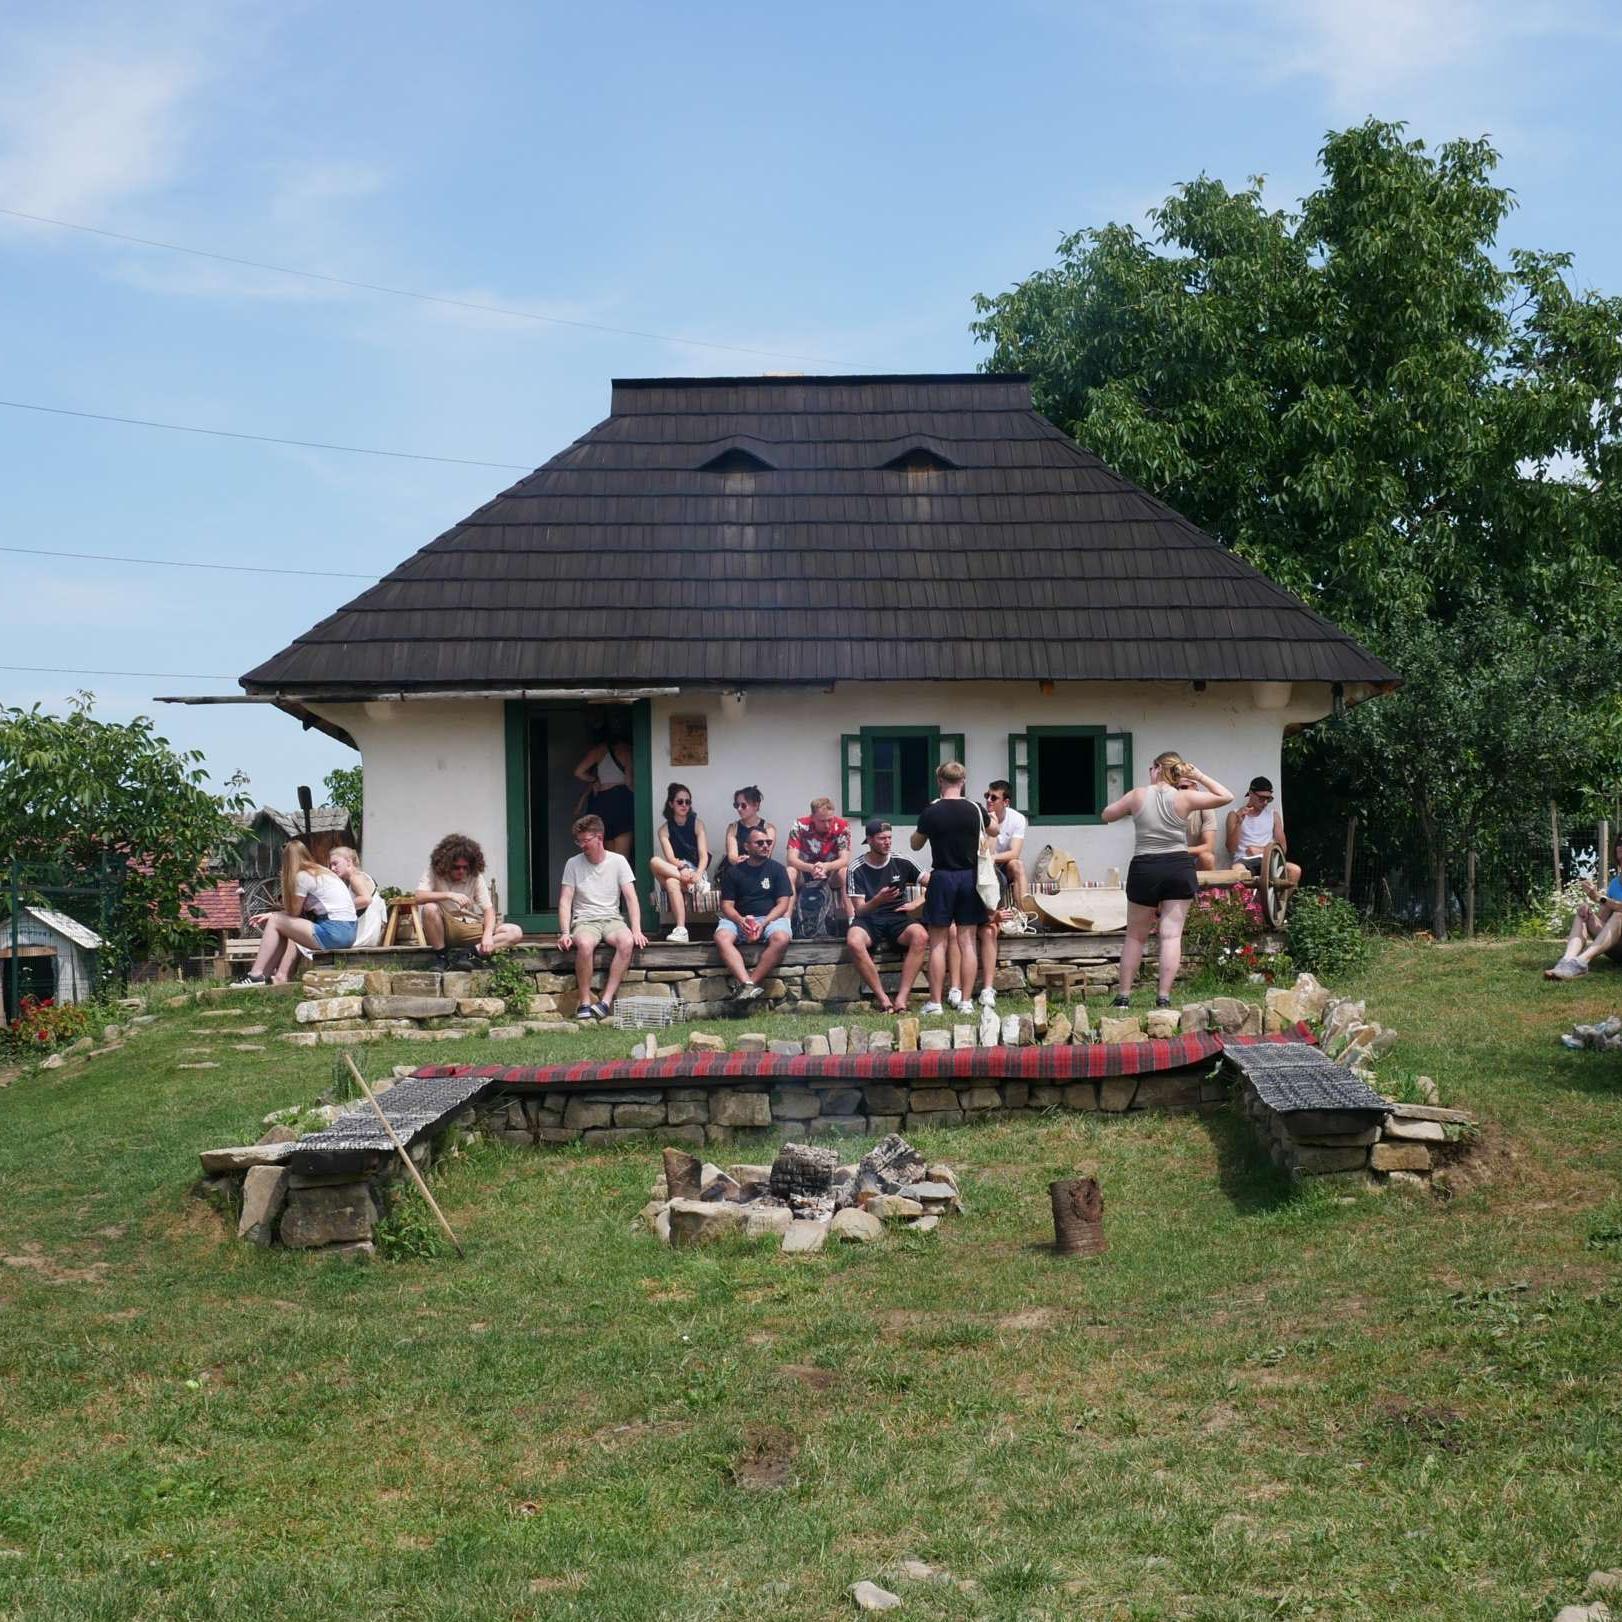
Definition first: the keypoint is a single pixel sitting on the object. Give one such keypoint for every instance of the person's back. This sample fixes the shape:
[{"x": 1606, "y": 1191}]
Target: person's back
[
  {"x": 1159, "y": 830},
  {"x": 952, "y": 826}
]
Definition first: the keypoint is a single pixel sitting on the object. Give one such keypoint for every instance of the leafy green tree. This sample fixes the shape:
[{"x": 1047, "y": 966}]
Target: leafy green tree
[
  {"x": 80, "y": 794},
  {"x": 1417, "y": 436},
  {"x": 343, "y": 788}
]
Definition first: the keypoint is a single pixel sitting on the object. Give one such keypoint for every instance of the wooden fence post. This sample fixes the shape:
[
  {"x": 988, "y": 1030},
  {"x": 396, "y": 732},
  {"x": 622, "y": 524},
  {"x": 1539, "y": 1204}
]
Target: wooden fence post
[
  {"x": 1554, "y": 837},
  {"x": 1604, "y": 851},
  {"x": 1470, "y": 895},
  {"x": 1351, "y": 846}
]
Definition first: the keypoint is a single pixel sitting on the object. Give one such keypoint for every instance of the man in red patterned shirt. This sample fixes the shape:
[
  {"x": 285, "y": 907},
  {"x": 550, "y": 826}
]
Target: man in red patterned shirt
[{"x": 818, "y": 857}]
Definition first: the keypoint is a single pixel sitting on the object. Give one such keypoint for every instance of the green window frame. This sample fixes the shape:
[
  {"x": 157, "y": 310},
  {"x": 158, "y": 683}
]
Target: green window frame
[
  {"x": 1112, "y": 770},
  {"x": 863, "y": 768}
]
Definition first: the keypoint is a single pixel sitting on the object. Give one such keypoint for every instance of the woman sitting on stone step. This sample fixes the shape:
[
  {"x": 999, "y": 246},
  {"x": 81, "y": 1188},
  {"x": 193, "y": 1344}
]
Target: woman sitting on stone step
[{"x": 318, "y": 912}]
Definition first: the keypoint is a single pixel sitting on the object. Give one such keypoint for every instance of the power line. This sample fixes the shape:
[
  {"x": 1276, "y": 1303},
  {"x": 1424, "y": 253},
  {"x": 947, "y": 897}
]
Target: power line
[
  {"x": 177, "y": 563},
  {"x": 411, "y": 293},
  {"x": 261, "y": 439},
  {"x": 159, "y": 675}
]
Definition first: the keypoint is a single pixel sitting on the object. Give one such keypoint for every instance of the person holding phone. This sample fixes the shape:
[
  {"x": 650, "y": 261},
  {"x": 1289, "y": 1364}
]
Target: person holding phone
[{"x": 882, "y": 915}]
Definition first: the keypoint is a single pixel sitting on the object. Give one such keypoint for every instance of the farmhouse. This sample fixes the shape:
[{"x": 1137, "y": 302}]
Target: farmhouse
[{"x": 821, "y": 585}]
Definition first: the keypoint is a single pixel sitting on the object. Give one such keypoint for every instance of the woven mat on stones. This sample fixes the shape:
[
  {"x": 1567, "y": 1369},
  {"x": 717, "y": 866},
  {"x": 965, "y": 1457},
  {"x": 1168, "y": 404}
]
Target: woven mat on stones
[
  {"x": 1291, "y": 1076},
  {"x": 1089, "y": 1061},
  {"x": 413, "y": 1106}
]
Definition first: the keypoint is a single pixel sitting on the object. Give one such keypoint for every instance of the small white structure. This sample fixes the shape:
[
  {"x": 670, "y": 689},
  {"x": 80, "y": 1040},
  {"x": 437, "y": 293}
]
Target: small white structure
[{"x": 57, "y": 953}]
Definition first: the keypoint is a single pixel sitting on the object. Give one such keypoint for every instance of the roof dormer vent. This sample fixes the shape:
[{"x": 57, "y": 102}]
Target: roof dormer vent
[
  {"x": 735, "y": 460},
  {"x": 919, "y": 459}
]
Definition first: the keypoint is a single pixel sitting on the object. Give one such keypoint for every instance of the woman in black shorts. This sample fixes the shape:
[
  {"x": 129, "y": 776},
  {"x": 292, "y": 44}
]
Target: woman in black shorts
[{"x": 1161, "y": 882}]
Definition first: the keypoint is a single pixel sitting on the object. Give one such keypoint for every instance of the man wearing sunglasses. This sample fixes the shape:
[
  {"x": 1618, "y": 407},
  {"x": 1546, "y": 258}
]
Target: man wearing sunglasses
[{"x": 1255, "y": 823}]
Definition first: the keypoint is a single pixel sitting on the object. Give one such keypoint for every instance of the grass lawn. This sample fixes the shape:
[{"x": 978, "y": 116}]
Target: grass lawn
[{"x": 1259, "y": 1403}]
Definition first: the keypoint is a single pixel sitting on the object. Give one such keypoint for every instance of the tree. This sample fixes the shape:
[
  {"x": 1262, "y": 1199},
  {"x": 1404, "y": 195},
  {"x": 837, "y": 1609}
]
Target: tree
[
  {"x": 1416, "y": 437},
  {"x": 76, "y": 792},
  {"x": 343, "y": 788}
]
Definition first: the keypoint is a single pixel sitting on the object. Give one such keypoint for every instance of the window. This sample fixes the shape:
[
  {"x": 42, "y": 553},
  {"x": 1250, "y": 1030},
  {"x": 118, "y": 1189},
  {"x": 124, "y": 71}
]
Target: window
[
  {"x": 1068, "y": 774},
  {"x": 890, "y": 771}
]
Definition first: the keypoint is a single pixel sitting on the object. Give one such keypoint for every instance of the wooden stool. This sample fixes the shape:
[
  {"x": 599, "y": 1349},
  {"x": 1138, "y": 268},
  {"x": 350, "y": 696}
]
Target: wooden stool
[
  {"x": 402, "y": 904},
  {"x": 1061, "y": 980}
]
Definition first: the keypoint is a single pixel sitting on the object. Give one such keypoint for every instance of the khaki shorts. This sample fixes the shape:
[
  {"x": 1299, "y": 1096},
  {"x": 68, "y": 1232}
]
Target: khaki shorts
[
  {"x": 462, "y": 931},
  {"x": 605, "y": 929}
]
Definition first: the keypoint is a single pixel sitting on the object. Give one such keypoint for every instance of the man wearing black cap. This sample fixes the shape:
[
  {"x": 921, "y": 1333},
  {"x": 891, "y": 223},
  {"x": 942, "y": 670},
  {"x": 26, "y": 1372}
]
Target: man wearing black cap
[
  {"x": 881, "y": 914},
  {"x": 1255, "y": 823}
]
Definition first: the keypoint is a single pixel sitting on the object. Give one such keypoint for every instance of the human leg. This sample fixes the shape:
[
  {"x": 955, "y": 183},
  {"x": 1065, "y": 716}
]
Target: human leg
[
  {"x": 914, "y": 944},
  {"x": 1610, "y": 935},
  {"x": 726, "y": 946},
  {"x": 778, "y": 935},
  {"x": 284, "y": 969},
  {"x": 861, "y": 955},
  {"x": 669, "y": 876},
  {"x": 987, "y": 936},
  {"x": 1173, "y": 915},
  {"x": 618, "y": 964},
  {"x": 433, "y": 925},
  {"x": 585, "y": 952},
  {"x": 937, "y": 962},
  {"x": 1140, "y": 922},
  {"x": 504, "y": 936}
]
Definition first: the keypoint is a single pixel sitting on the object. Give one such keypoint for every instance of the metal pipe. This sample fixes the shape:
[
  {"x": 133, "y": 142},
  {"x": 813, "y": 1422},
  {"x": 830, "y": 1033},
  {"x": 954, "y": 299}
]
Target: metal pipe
[{"x": 605, "y": 695}]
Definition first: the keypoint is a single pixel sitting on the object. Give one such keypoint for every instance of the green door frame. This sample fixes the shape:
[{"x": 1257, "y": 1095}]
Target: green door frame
[{"x": 545, "y": 921}]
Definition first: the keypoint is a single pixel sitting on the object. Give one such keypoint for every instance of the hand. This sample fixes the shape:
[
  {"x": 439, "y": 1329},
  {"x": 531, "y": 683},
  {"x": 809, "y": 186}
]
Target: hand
[
  {"x": 565, "y": 943},
  {"x": 638, "y": 939},
  {"x": 259, "y": 920},
  {"x": 752, "y": 928},
  {"x": 486, "y": 946},
  {"x": 1589, "y": 890},
  {"x": 689, "y": 877},
  {"x": 819, "y": 870},
  {"x": 891, "y": 892}
]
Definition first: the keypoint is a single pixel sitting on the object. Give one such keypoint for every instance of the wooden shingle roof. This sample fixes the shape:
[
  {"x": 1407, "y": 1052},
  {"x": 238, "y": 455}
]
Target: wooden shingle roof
[{"x": 626, "y": 561}]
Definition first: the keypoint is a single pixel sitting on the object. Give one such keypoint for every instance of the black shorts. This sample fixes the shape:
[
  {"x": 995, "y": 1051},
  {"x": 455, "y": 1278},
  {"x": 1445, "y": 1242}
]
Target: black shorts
[
  {"x": 1168, "y": 877},
  {"x": 617, "y": 807},
  {"x": 952, "y": 898},
  {"x": 883, "y": 929}
]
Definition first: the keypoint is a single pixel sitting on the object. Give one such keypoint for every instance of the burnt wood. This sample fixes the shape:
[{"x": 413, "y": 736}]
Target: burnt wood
[{"x": 932, "y": 528}]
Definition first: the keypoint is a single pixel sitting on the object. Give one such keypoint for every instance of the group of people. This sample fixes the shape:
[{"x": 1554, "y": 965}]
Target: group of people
[{"x": 943, "y": 919}]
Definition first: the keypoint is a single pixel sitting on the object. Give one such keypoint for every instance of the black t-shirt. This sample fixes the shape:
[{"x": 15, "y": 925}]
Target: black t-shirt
[
  {"x": 866, "y": 881},
  {"x": 953, "y": 830},
  {"x": 754, "y": 891}
]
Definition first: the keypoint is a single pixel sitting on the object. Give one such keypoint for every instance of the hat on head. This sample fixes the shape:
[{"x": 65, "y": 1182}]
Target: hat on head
[
  {"x": 1261, "y": 785},
  {"x": 876, "y": 825}
]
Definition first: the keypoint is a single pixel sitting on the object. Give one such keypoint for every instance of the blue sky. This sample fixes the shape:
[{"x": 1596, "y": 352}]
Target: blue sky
[{"x": 832, "y": 182}]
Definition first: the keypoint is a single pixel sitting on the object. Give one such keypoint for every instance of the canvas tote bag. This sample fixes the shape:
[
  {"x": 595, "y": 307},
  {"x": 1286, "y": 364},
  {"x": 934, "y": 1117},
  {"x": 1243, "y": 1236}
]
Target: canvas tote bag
[{"x": 986, "y": 883}]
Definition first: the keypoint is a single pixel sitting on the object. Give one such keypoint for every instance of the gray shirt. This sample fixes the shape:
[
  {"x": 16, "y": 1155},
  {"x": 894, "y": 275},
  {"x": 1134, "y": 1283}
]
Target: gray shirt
[{"x": 1160, "y": 831}]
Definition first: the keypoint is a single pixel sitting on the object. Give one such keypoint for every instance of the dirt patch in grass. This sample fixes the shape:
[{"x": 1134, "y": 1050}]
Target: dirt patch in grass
[
  {"x": 1030, "y": 1318},
  {"x": 1429, "y": 1424},
  {"x": 33, "y": 1260},
  {"x": 808, "y": 1374},
  {"x": 766, "y": 1461},
  {"x": 613, "y": 1437}
]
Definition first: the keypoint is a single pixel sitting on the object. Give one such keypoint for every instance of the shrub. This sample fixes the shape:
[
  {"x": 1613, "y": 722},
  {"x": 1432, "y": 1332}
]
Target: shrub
[
  {"x": 42, "y": 1025},
  {"x": 510, "y": 981},
  {"x": 1221, "y": 933},
  {"x": 1326, "y": 935}
]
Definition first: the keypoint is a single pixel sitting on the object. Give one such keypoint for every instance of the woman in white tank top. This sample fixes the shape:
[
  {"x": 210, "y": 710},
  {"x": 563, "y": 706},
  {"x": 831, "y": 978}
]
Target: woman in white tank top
[{"x": 1161, "y": 882}]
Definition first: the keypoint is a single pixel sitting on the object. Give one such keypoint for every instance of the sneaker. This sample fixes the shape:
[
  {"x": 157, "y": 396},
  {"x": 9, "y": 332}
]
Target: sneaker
[
  {"x": 988, "y": 997},
  {"x": 678, "y": 936},
  {"x": 1121, "y": 1002},
  {"x": 931, "y": 1008},
  {"x": 749, "y": 991},
  {"x": 442, "y": 961},
  {"x": 1162, "y": 1002},
  {"x": 586, "y": 1012},
  {"x": 1568, "y": 968},
  {"x": 601, "y": 1010},
  {"x": 954, "y": 998},
  {"x": 250, "y": 980}
]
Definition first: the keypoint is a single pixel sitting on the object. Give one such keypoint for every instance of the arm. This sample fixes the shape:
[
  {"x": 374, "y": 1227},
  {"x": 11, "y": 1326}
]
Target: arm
[
  {"x": 586, "y": 771},
  {"x": 918, "y": 840},
  {"x": 565, "y": 916},
  {"x": 1207, "y": 797},
  {"x": 487, "y": 929},
  {"x": 662, "y": 839},
  {"x": 1128, "y": 804},
  {"x": 633, "y": 912},
  {"x": 1231, "y": 835},
  {"x": 362, "y": 888},
  {"x": 1007, "y": 858},
  {"x": 1278, "y": 831},
  {"x": 731, "y": 840},
  {"x": 1205, "y": 845},
  {"x": 703, "y": 848}
]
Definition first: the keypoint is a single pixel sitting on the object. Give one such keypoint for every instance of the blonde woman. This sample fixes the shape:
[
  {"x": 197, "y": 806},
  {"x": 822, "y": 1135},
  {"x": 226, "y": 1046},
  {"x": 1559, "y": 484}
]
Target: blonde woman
[
  {"x": 307, "y": 887},
  {"x": 1161, "y": 883},
  {"x": 373, "y": 910}
]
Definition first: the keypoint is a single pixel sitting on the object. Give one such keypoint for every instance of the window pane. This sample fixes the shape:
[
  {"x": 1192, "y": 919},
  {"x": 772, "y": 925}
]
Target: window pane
[
  {"x": 917, "y": 785},
  {"x": 1066, "y": 775}
]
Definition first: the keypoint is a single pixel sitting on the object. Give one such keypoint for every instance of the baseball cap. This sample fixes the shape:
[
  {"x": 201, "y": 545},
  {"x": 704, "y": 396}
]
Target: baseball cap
[
  {"x": 876, "y": 825},
  {"x": 1260, "y": 785}
]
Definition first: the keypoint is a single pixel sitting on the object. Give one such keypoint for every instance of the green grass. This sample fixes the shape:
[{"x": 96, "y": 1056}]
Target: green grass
[{"x": 1258, "y": 1403}]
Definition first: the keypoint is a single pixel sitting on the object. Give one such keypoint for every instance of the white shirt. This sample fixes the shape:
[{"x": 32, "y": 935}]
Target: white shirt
[
  {"x": 333, "y": 898},
  {"x": 596, "y": 886},
  {"x": 1013, "y": 827}
]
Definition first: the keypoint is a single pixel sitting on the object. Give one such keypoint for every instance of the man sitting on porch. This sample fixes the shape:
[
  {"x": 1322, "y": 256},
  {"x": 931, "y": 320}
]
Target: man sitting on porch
[
  {"x": 594, "y": 883},
  {"x": 755, "y": 900},
  {"x": 818, "y": 855},
  {"x": 1009, "y": 855},
  {"x": 884, "y": 916},
  {"x": 458, "y": 910}
]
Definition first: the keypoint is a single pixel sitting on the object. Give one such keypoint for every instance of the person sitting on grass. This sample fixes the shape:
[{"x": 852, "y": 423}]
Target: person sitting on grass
[
  {"x": 594, "y": 884},
  {"x": 307, "y": 888},
  {"x": 756, "y": 897},
  {"x": 684, "y": 855},
  {"x": 883, "y": 916},
  {"x": 458, "y": 912},
  {"x": 1596, "y": 930}
]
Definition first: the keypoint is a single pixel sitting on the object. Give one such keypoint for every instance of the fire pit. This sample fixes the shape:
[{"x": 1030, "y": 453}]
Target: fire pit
[{"x": 803, "y": 1197}]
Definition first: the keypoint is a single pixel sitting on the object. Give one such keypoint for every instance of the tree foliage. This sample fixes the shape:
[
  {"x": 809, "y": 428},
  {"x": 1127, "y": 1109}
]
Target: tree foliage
[
  {"x": 343, "y": 788},
  {"x": 1416, "y": 434},
  {"x": 75, "y": 791}
]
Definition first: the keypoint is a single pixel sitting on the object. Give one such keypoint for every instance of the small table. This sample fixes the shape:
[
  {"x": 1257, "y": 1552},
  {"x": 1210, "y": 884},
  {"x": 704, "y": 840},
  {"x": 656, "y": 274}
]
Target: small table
[{"x": 401, "y": 904}]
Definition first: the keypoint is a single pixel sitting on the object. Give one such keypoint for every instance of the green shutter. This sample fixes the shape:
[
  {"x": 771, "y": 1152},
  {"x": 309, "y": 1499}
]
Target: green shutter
[
  {"x": 949, "y": 746},
  {"x": 1115, "y": 767},
  {"x": 850, "y": 772},
  {"x": 1019, "y": 771}
]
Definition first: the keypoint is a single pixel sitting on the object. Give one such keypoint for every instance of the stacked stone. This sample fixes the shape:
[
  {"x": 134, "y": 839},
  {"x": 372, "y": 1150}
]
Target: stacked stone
[{"x": 353, "y": 1006}]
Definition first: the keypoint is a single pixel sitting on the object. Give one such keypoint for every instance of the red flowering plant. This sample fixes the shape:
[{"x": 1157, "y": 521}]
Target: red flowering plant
[
  {"x": 1222, "y": 933},
  {"x": 42, "y": 1025}
]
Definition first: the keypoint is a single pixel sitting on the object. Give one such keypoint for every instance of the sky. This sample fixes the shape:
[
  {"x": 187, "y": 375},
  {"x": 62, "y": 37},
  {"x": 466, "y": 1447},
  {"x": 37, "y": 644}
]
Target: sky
[{"x": 737, "y": 188}]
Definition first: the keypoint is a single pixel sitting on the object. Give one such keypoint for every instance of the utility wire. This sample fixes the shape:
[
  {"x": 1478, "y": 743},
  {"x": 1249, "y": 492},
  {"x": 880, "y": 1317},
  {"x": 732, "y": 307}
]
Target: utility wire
[
  {"x": 261, "y": 439},
  {"x": 161, "y": 675},
  {"x": 181, "y": 563},
  {"x": 411, "y": 293}
]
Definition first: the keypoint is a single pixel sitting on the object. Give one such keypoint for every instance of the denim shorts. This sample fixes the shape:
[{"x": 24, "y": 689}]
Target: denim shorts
[
  {"x": 333, "y": 935},
  {"x": 778, "y": 926}
]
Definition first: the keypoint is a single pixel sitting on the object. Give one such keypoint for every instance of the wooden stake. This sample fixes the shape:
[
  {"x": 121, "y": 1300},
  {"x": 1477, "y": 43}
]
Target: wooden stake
[
  {"x": 400, "y": 1148},
  {"x": 1470, "y": 895},
  {"x": 1351, "y": 846},
  {"x": 1604, "y": 852},
  {"x": 1554, "y": 835}
]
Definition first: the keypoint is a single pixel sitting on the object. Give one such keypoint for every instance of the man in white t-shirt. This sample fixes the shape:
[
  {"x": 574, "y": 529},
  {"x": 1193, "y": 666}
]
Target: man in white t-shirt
[
  {"x": 594, "y": 884},
  {"x": 1009, "y": 855}
]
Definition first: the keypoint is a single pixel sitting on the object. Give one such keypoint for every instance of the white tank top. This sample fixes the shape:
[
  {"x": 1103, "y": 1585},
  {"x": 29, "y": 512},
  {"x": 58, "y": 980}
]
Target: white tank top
[
  {"x": 610, "y": 774},
  {"x": 1256, "y": 828}
]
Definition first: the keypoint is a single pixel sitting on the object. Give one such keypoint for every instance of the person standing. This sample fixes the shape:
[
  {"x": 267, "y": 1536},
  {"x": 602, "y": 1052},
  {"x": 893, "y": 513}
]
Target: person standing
[
  {"x": 606, "y": 770},
  {"x": 594, "y": 883},
  {"x": 684, "y": 855},
  {"x": 882, "y": 915},
  {"x": 1161, "y": 883},
  {"x": 952, "y": 827},
  {"x": 756, "y": 897}
]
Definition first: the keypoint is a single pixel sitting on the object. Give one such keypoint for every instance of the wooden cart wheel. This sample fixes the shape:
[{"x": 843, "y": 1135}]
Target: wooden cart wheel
[{"x": 1276, "y": 887}]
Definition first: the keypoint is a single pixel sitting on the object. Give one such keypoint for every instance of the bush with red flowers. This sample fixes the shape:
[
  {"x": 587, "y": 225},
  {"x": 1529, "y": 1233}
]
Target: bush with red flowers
[
  {"x": 1221, "y": 933},
  {"x": 43, "y": 1025}
]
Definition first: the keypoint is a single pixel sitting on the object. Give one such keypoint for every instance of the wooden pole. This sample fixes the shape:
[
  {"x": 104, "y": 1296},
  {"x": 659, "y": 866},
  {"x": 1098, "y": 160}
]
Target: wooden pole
[
  {"x": 1604, "y": 851},
  {"x": 405, "y": 1157},
  {"x": 1351, "y": 846},
  {"x": 1554, "y": 837},
  {"x": 1078, "y": 1216},
  {"x": 1470, "y": 895}
]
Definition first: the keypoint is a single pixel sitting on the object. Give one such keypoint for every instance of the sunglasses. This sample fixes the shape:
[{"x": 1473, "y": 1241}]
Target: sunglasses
[{"x": 680, "y": 800}]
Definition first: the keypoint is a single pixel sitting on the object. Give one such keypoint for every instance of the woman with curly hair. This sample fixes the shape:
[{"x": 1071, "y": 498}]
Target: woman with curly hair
[{"x": 457, "y": 909}]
